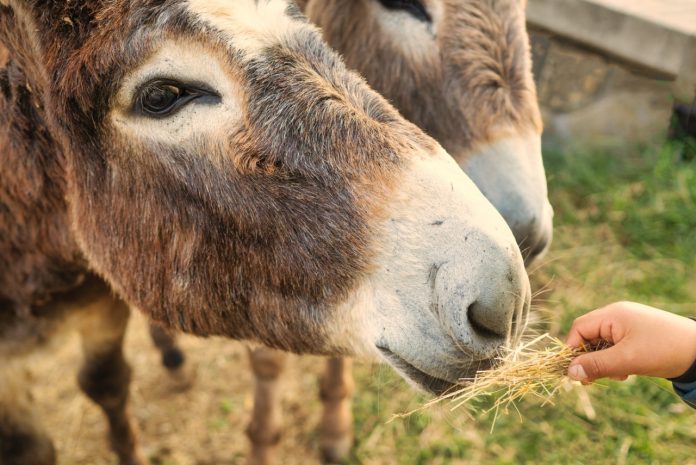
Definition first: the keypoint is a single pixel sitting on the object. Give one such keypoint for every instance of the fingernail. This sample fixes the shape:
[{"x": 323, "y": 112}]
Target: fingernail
[{"x": 577, "y": 372}]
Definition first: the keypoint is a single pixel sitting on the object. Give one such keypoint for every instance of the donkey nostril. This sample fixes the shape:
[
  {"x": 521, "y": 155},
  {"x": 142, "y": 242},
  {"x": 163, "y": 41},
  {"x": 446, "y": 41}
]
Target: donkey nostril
[
  {"x": 484, "y": 324},
  {"x": 537, "y": 249},
  {"x": 540, "y": 246}
]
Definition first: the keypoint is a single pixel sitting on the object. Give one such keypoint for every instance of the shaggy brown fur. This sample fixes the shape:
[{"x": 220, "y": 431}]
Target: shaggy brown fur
[
  {"x": 284, "y": 219},
  {"x": 33, "y": 212}
]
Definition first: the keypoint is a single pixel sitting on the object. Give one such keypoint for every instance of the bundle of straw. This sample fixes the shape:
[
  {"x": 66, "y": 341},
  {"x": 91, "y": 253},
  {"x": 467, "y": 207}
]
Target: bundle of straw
[{"x": 526, "y": 370}]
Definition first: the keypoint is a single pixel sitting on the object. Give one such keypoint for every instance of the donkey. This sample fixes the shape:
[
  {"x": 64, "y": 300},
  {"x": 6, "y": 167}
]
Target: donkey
[
  {"x": 461, "y": 70},
  {"x": 216, "y": 166}
]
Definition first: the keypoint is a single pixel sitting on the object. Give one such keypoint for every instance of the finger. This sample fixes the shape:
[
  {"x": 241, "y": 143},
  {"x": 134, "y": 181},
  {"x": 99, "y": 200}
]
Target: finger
[
  {"x": 575, "y": 339},
  {"x": 601, "y": 364},
  {"x": 582, "y": 329},
  {"x": 591, "y": 327}
]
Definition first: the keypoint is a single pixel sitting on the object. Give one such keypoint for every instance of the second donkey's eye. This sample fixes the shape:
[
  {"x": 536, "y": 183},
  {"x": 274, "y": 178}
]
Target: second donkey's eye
[
  {"x": 162, "y": 98},
  {"x": 414, "y": 7}
]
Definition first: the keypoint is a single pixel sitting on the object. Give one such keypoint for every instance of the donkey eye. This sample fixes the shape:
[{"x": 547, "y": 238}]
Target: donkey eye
[
  {"x": 414, "y": 7},
  {"x": 162, "y": 98}
]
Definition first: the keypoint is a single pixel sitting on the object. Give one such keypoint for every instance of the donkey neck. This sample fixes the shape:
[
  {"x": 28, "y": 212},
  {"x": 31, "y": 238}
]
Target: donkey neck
[{"x": 38, "y": 256}]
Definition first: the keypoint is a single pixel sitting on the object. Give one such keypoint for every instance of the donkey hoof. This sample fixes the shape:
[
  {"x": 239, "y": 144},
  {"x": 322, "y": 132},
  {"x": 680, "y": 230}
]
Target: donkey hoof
[{"x": 336, "y": 450}]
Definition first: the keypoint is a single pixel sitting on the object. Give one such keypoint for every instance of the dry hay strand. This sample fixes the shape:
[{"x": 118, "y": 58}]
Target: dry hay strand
[{"x": 536, "y": 368}]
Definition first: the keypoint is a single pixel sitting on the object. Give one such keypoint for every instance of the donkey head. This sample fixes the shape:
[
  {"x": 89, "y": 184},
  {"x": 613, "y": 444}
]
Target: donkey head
[
  {"x": 459, "y": 69},
  {"x": 226, "y": 174}
]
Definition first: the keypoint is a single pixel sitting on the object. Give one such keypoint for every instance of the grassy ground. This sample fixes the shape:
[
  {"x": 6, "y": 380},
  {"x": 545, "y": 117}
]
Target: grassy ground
[{"x": 625, "y": 229}]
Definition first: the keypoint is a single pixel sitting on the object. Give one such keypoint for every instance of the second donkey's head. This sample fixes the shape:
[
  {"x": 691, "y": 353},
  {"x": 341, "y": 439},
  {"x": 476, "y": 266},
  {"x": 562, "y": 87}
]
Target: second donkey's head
[{"x": 461, "y": 70}]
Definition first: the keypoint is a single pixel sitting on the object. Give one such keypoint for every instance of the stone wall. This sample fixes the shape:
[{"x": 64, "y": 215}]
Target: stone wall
[
  {"x": 588, "y": 99},
  {"x": 608, "y": 72}
]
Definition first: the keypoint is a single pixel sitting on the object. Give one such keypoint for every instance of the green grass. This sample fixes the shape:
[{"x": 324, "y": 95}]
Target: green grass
[{"x": 625, "y": 230}]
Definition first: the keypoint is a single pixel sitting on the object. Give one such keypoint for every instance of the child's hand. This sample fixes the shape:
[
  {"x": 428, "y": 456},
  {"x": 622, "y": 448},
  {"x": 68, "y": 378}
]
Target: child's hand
[{"x": 647, "y": 341}]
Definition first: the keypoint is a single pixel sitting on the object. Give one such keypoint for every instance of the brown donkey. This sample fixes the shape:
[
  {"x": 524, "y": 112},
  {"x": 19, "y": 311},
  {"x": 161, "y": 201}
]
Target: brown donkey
[
  {"x": 461, "y": 70},
  {"x": 215, "y": 165}
]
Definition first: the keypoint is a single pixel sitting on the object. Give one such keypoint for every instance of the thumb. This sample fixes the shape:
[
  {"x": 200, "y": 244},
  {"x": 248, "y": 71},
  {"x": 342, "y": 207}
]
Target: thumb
[{"x": 603, "y": 363}]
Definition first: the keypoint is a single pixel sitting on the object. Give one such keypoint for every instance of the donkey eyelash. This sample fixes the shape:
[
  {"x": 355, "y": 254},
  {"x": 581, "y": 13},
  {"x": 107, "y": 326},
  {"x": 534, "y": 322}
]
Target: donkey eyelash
[
  {"x": 172, "y": 96},
  {"x": 414, "y": 7}
]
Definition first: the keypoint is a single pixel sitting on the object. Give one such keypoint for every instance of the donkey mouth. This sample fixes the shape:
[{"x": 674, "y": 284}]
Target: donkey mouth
[
  {"x": 432, "y": 384},
  {"x": 425, "y": 381}
]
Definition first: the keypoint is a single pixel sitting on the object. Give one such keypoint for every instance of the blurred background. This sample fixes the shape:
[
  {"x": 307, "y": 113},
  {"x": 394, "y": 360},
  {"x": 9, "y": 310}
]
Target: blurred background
[{"x": 616, "y": 81}]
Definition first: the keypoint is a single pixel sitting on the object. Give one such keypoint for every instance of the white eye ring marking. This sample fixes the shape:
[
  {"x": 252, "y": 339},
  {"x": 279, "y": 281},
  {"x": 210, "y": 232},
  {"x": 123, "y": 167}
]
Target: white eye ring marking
[
  {"x": 415, "y": 37},
  {"x": 198, "y": 69}
]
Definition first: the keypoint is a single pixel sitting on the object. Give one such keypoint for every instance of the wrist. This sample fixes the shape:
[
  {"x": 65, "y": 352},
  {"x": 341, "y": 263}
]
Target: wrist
[{"x": 688, "y": 376}]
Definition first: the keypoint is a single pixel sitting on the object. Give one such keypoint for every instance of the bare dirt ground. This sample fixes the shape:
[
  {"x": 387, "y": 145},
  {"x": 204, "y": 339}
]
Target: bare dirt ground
[{"x": 203, "y": 425}]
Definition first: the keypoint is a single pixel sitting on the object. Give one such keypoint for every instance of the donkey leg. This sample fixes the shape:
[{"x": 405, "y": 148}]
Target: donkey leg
[
  {"x": 22, "y": 441},
  {"x": 173, "y": 358},
  {"x": 336, "y": 427},
  {"x": 264, "y": 428},
  {"x": 105, "y": 375}
]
